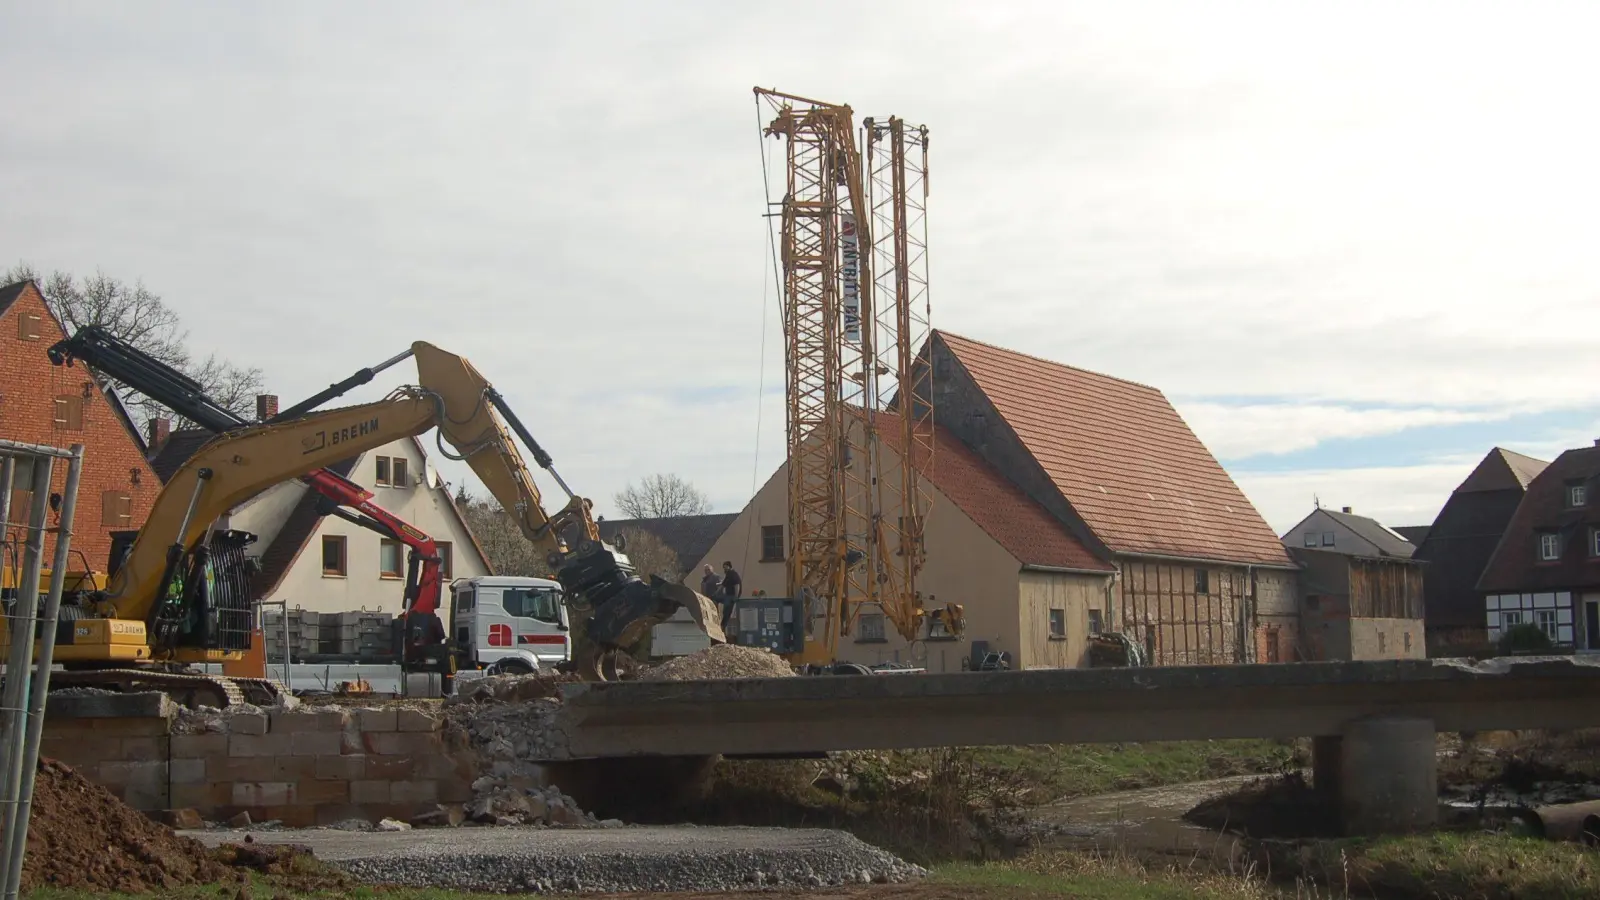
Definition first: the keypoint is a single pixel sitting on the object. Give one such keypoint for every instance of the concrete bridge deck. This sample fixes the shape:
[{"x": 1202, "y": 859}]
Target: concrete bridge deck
[{"x": 808, "y": 714}]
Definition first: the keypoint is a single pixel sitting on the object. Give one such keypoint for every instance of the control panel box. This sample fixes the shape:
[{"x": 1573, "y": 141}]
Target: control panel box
[{"x": 770, "y": 622}]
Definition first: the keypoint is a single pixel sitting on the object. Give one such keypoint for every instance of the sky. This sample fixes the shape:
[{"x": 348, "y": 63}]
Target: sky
[{"x": 1352, "y": 242}]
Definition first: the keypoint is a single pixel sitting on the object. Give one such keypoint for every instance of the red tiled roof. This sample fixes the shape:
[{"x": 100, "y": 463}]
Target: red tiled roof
[
  {"x": 1018, "y": 524},
  {"x": 1122, "y": 457}
]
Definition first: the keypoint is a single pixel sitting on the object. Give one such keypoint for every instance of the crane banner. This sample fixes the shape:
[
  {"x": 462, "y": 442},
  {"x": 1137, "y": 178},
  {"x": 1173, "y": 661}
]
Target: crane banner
[{"x": 850, "y": 273}]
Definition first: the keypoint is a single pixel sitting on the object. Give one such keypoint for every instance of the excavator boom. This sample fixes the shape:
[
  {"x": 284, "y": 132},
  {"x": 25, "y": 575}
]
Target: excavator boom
[{"x": 467, "y": 410}]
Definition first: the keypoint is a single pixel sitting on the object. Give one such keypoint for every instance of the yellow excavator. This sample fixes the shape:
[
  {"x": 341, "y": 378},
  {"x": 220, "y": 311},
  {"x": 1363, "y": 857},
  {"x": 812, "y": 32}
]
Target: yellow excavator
[{"x": 180, "y": 595}]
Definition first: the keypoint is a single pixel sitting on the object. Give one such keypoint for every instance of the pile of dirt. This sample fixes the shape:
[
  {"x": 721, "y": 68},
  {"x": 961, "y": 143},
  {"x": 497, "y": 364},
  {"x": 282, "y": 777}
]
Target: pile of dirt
[
  {"x": 82, "y": 836},
  {"x": 721, "y": 661}
]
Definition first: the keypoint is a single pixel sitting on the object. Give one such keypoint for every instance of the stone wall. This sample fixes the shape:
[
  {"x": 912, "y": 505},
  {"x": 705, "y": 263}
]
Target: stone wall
[{"x": 303, "y": 767}]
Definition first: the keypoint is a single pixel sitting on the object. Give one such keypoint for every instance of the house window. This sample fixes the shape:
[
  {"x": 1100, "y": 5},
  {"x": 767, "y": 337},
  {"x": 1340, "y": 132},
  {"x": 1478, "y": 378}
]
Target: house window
[
  {"x": 116, "y": 509},
  {"x": 1381, "y": 642},
  {"x": 1058, "y": 624},
  {"x": 1577, "y": 495},
  {"x": 1510, "y": 619},
  {"x": 1273, "y": 654},
  {"x": 871, "y": 628},
  {"x": 1202, "y": 581},
  {"x": 1549, "y": 546},
  {"x": 1546, "y": 620},
  {"x": 1408, "y": 642},
  {"x": 1311, "y": 539},
  {"x": 1594, "y": 542},
  {"x": 69, "y": 412},
  {"x": 333, "y": 555},
  {"x": 28, "y": 325},
  {"x": 397, "y": 467},
  {"x": 772, "y": 543},
  {"x": 447, "y": 561},
  {"x": 1096, "y": 623},
  {"x": 1327, "y": 539},
  {"x": 381, "y": 476},
  {"x": 391, "y": 559}
]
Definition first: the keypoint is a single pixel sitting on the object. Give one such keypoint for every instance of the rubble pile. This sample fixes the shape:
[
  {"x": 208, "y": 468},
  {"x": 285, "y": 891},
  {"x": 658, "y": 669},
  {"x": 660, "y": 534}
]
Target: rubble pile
[
  {"x": 721, "y": 661},
  {"x": 517, "y": 800}
]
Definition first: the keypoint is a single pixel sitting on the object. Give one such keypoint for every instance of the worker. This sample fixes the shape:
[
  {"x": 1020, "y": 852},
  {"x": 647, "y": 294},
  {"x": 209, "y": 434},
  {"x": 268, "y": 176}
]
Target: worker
[
  {"x": 710, "y": 582},
  {"x": 732, "y": 588}
]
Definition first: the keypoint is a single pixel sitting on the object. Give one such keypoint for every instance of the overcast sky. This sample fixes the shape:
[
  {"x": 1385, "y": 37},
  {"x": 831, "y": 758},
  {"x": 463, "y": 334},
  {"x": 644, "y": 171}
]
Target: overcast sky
[{"x": 1354, "y": 243}]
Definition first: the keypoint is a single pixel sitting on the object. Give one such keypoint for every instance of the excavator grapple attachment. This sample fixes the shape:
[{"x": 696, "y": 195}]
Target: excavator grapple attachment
[{"x": 623, "y": 618}]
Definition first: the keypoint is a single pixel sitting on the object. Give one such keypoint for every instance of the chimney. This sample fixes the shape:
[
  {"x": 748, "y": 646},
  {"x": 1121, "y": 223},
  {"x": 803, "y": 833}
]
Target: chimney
[
  {"x": 157, "y": 431},
  {"x": 1348, "y": 510},
  {"x": 266, "y": 406}
]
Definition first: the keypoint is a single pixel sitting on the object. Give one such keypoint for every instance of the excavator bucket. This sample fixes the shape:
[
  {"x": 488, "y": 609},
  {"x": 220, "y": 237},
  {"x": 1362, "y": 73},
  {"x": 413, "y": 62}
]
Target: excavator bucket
[
  {"x": 626, "y": 624},
  {"x": 701, "y": 608}
]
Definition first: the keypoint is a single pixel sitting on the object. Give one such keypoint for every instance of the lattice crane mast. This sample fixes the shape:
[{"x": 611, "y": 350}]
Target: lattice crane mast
[{"x": 854, "y": 535}]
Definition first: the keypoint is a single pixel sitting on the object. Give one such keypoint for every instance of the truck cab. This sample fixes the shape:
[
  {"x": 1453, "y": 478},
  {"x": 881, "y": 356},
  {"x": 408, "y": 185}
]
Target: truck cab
[{"x": 520, "y": 623}]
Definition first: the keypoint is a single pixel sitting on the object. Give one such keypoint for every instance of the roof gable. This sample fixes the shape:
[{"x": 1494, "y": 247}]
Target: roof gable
[
  {"x": 1122, "y": 457},
  {"x": 1500, "y": 470},
  {"x": 1373, "y": 532},
  {"x": 28, "y": 294}
]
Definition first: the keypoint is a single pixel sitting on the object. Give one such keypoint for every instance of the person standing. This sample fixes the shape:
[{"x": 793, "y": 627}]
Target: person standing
[
  {"x": 732, "y": 589},
  {"x": 710, "y": 582}
]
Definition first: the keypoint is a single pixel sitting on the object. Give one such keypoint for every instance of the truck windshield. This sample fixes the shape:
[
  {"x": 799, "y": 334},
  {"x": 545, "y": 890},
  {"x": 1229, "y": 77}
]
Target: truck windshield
[{"x": 540, "y": 603}]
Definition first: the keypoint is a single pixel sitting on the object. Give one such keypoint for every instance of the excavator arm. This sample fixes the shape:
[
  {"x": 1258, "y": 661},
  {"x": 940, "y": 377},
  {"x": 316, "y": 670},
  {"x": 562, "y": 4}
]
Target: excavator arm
[{"x": 467, "y": 410}]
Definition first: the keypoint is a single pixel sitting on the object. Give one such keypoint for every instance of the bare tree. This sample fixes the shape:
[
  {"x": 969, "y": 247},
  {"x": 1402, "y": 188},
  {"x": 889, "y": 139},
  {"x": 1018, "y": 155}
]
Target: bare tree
[
  {"x": 139, "y": 316},
  {"x": 509, "y": 550},
  {"x": 661, "y": 497},
  {"x": 650, "y": 555}
]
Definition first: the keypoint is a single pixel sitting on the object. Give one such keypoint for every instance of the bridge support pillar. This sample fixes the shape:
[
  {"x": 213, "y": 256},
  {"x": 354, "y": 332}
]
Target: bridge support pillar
[{"x": 1388, "y": 776}]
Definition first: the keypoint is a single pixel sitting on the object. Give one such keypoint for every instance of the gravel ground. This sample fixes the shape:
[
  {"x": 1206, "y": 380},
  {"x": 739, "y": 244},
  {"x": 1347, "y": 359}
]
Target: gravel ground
[{"x": 654, "y": 858}]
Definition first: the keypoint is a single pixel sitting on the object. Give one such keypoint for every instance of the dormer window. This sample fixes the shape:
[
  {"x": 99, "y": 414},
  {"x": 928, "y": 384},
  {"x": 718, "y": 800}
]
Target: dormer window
[
  {"x": 1549, "y": 546},
  {"x": 1577, "y": 495}
]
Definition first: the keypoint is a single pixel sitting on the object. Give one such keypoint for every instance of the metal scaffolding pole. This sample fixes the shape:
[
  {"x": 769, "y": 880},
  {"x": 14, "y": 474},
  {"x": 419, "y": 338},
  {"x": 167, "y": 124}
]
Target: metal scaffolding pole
[{"x": 26, "y": 689}]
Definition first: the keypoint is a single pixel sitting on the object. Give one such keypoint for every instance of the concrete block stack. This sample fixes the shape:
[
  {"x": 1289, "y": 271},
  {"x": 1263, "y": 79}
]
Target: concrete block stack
[
  {"x": 126, "y": 755},
  {"x": 357, "y": 633},
  {"x": 317, "y": 766}
]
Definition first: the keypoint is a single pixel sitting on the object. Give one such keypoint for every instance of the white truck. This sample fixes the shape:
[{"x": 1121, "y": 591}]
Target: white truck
[
  {"x": 498, "y": 623},
  {"x": 516, "y": 625}
]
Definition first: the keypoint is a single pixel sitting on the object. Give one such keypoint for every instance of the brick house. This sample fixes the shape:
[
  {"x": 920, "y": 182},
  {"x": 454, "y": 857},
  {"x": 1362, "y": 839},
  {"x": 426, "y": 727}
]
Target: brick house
[
  {"x": 1459, "y": 543},
  {"x": 1545, "y": 570},
  {"x": 1066, "y": 503},
  {"x": 59, "y": 406}
]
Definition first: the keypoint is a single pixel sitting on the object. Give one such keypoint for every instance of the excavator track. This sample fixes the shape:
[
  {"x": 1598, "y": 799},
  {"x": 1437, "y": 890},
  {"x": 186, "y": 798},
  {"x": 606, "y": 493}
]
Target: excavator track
[{"x": 186, "y": 689}]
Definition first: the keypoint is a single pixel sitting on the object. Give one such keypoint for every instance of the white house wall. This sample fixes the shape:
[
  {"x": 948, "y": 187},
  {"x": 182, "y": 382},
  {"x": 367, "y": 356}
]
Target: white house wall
[
  {"x": 264, "y": 514},
  {"x": 363, "y": 587},
  {"x": 964, "y": 565}
]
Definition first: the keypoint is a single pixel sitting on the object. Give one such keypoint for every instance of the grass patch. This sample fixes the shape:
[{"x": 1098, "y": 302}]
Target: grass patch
[
  {"x": 1088, "y": 878},
  {"x": 1443, "y": 865},
  {"x": 1063, "y": 771}
]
